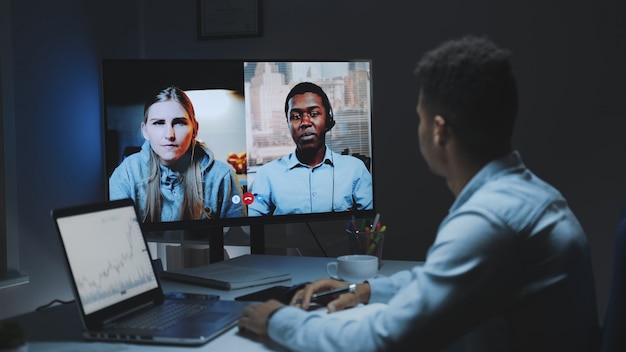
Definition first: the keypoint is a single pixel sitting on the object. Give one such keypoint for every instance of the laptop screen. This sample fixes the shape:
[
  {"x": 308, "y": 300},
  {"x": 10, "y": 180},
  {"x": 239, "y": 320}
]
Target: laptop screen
[{"x": 107, "y": 255}]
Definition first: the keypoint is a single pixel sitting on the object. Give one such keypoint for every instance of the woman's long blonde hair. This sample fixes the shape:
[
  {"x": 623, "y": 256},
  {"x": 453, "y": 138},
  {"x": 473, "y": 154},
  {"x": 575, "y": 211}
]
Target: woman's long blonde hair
[{"x": 191, "y": 178}]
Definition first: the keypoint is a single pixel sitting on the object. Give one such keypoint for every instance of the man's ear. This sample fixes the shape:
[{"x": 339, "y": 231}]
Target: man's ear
[{"x": 440, "y": 131}]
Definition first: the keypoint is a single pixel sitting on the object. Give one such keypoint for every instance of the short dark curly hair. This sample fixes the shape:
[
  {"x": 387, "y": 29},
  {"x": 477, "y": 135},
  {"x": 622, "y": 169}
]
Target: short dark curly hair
[
  {"x": 308, "y": 87},
  {"x": 470, "y": 83}
]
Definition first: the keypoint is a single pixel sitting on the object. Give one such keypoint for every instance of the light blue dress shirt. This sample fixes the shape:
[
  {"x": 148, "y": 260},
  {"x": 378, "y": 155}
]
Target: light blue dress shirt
[
  {"x": 286, "y": 186},
  {"x": 509, "y": 250},
  {"x": 130, "y": 179}
]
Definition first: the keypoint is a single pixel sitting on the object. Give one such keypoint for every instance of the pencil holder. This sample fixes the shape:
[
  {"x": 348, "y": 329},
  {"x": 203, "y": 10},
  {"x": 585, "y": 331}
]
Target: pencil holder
[{"x": 367, "y": 242}]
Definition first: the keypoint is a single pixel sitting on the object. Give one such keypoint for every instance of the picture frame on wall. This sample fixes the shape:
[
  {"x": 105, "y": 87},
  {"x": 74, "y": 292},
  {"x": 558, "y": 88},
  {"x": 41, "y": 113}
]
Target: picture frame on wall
[{"x": 228, "y": 18}]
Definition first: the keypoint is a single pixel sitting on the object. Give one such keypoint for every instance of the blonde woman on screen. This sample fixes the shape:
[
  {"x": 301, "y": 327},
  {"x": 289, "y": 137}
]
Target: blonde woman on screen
[{"x": 175, "y": 176}]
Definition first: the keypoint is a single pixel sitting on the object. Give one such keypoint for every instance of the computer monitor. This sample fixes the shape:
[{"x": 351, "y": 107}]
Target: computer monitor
[{"x": 240, "y": 107}]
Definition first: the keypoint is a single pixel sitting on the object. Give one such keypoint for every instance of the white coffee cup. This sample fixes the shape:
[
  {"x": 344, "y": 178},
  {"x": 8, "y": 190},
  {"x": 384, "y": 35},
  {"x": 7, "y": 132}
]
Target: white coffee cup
[{"x": 354, "y": 268}]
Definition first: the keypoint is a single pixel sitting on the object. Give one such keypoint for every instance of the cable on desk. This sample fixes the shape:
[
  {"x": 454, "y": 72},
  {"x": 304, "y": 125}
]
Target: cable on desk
[
  {"x": 316, "y": 240},
  {"x": 53, "y": 302}
]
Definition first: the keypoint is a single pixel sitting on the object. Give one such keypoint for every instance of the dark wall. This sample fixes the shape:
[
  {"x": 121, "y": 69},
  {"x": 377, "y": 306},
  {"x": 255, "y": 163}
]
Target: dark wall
[
  {"x": 568, "y": 57},
  {"x": 58, "y": 138}
]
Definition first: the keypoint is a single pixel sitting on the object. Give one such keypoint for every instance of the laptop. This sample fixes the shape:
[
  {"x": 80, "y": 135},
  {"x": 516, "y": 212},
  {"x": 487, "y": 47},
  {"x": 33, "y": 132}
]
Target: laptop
[{"x": 117, "y": 289}]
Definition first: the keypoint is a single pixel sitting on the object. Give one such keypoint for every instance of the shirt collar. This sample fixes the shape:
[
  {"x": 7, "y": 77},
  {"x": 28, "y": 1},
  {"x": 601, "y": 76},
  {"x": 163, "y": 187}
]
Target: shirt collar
[
  {"x": 491, "y": 170},
  {"x": 293, "y": 162}
]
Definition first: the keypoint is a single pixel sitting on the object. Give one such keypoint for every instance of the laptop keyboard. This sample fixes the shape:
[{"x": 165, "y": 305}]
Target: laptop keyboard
[{"x": 163, "y": 316}]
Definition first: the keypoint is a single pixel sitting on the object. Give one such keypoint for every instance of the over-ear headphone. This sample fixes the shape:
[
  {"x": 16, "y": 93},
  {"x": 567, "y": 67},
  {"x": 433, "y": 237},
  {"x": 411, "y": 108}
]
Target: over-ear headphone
[{"x": 330, "y": 120}]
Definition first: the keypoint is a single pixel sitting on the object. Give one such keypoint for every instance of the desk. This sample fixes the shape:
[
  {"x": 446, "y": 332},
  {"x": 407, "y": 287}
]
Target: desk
[{"x": 59, "y": 328}]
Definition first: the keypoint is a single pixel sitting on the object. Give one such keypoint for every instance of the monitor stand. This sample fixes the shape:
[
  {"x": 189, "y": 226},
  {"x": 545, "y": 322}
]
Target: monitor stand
[{"x": 257, "y": 239}]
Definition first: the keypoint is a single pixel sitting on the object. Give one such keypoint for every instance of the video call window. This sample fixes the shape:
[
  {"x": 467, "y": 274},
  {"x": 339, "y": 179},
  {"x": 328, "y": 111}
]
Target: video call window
[
  {"x": 239, "y": 106},
  {"x": 267, "y": 84}
]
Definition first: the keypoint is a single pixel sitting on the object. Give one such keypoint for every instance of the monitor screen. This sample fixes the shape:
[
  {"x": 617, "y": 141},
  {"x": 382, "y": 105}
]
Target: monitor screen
[{"x": 274, "y": 141}]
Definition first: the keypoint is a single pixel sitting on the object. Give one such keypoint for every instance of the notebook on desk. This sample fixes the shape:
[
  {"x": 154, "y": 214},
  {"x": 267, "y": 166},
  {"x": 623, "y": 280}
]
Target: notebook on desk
[{"x": 117, "y": 290}]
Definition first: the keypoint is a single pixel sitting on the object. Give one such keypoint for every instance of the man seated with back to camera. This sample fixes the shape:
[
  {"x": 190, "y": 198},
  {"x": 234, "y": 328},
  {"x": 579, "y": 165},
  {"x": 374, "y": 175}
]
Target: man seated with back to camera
[
  {"x": 312, "y": 179},
  {"x": 509, "y": 250}
]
